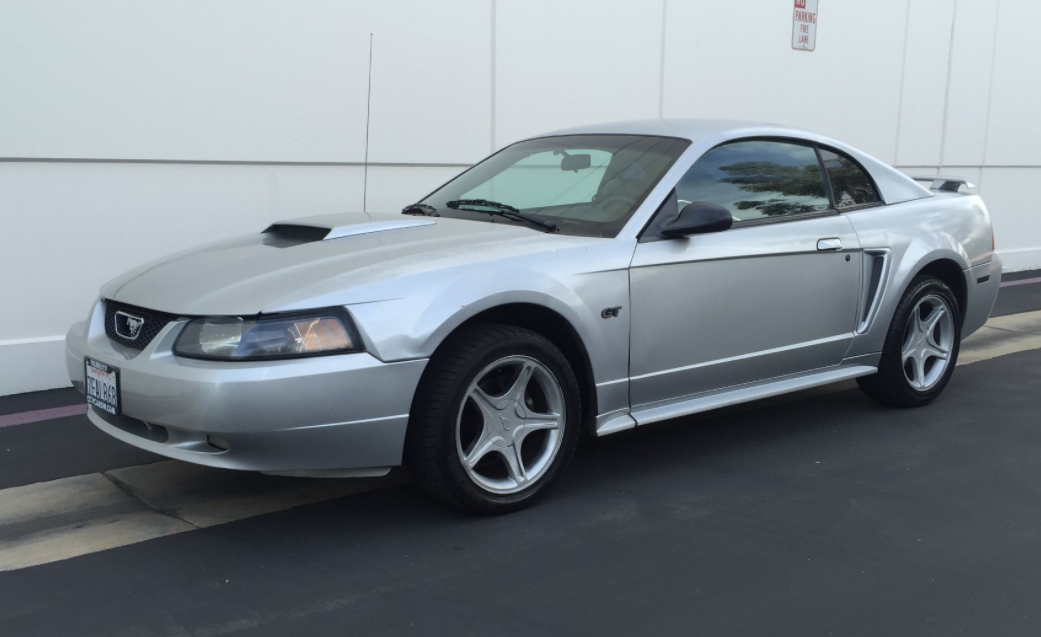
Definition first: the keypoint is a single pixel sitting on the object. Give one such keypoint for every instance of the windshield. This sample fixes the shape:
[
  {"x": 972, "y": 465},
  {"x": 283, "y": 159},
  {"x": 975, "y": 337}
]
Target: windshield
[{"x": 586, "y": 185}]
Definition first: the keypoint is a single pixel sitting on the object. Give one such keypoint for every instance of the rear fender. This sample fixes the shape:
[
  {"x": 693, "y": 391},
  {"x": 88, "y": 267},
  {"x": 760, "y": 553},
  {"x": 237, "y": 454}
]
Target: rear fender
[{"x": 923, "y": 251}]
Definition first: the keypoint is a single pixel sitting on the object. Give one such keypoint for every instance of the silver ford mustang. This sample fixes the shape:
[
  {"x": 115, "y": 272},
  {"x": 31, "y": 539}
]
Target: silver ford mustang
[{"x": 583, "y": 282}]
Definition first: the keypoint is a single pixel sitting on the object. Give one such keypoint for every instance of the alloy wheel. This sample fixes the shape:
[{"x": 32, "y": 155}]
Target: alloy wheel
[
  {"x": 510, "y": 424},
  {"x": 928, "y": 342}
]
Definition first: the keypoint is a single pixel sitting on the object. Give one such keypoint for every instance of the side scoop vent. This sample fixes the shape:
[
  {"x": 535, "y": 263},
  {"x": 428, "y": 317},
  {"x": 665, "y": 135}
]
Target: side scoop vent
[{"x": 876, "y": 262}]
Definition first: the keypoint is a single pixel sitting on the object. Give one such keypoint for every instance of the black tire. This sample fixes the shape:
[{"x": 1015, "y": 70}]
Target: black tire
[
  {"x": 891, "y": 386},
  {"x": 431, "y": 453}
]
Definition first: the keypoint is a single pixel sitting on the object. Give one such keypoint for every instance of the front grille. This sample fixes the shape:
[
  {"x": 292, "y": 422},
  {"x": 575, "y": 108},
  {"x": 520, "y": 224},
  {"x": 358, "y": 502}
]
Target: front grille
[{"x": 154, "y": 322}]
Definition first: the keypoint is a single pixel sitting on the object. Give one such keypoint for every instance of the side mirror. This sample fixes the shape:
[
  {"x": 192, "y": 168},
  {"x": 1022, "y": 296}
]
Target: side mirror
[
  {"x": 575, "y": 162},
  {"x": 699, "y": 217}
]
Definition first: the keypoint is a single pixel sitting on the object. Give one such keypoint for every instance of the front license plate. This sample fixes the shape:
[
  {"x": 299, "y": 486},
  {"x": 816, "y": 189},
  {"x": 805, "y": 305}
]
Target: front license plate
[{"x": 102, "y": 386}]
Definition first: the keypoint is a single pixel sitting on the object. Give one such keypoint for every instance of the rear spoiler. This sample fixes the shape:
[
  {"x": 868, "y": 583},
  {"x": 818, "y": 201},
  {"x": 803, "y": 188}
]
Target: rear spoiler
[{"x": 945, "y": 184}]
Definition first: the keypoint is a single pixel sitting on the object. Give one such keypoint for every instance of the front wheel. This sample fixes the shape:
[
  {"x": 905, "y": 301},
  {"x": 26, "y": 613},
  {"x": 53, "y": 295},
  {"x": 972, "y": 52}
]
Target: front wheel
[
  {"x": 495, "y": 420},
  {"x": 921, "y": 347}
]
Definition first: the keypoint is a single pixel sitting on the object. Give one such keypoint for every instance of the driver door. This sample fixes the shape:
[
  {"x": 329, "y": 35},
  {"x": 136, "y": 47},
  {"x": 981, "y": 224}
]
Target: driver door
[{"x": 774, "y": 295}]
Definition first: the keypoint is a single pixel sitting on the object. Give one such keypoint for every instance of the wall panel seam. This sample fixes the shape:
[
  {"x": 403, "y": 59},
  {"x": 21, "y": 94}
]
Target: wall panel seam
[
  {"x": 494, "y": 72},
  {"x": 661, "y": 61},
  {"x": 900, "y": 90},
  {"x": 947, "y": 87},
  {"x": 990, "y": 84}
]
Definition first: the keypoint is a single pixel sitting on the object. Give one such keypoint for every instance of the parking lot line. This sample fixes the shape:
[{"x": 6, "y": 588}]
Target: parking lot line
[
  {"x": 51, "y": 521},
  {"x": 26, "y": 417},
  {"x": 1001, "y": 336},
  {"x": 206, "y": 497}
]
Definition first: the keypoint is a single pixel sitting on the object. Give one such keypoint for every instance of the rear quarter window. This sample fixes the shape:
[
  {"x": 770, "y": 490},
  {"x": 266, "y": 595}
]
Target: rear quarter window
[{"x": 850, "y": 185}]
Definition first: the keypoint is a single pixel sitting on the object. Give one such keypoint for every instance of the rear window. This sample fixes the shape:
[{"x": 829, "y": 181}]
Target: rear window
[{"x": 850, "y": 185}]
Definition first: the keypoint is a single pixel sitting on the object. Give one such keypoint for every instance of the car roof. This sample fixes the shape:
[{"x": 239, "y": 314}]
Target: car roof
[
  {"x": 893, "y": 186},
  {"x": 683, "y": 128}
]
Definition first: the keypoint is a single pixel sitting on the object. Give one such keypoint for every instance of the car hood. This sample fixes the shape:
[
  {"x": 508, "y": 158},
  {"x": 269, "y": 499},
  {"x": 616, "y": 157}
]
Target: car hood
[{"x": 260, "y": 272}]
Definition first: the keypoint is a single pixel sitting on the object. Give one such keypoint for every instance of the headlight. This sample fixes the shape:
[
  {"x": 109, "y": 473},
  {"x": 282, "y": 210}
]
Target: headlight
[{"x": 315, "y": 333}]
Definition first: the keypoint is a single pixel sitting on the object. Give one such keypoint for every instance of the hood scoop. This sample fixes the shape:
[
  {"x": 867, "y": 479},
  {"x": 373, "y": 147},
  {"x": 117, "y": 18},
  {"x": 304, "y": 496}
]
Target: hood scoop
[{"x": 313, "y": 229}]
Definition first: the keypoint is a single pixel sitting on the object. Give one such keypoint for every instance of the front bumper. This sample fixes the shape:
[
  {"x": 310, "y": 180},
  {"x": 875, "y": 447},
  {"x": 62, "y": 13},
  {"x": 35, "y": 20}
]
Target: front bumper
[{"x": 323, "y": 413}]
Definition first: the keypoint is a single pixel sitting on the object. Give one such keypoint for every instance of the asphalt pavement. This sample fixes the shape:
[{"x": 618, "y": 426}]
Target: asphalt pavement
[{"x": 822, "y": 515}]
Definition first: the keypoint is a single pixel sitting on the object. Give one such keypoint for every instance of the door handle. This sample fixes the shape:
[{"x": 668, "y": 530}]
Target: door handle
[{"x": 829, "y": 244}]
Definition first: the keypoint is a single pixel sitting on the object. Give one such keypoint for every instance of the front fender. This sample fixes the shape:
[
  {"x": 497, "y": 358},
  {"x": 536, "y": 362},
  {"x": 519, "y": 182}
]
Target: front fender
[
  {"x": 576, "y": 283},
  {"x": 449, "y": 313}
]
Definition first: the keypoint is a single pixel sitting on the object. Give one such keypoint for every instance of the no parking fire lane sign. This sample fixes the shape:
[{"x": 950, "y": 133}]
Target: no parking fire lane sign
[{"x": 804, "y": 25}]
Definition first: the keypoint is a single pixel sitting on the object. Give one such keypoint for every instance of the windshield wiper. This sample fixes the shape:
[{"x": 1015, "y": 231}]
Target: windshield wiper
[
  {"x": 420, "y": 209},
  {"x": 502, "y": 210}
]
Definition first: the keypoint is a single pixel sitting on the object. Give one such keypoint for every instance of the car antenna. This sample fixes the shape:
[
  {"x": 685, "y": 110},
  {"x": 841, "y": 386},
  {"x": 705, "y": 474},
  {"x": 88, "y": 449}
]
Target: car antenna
[{"x": 368, "y": 108}]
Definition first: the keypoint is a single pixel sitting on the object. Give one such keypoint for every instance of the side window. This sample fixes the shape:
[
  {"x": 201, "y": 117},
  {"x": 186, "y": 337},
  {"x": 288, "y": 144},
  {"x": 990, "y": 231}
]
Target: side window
[
  {"x": 850, "y": 186},
  {"x": 757, "y": 180}
]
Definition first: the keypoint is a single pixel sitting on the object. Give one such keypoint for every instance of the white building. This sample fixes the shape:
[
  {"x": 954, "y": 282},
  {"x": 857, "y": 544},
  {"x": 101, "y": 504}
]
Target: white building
[{"x": 134, "y": 128}]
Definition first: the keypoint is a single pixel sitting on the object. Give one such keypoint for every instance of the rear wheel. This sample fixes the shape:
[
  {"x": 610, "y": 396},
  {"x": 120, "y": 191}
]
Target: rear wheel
[
  {"x": 495, "y": 421},
  {"x": 921, "y": 347}
]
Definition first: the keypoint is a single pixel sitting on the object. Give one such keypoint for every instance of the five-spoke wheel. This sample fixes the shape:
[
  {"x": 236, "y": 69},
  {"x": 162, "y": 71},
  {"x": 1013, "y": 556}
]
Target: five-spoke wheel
[
  {"x": 495, "y": 420},
  {"x": 928, "y": 340},
  {"x": 510, "y": 426},
  {"x": 921, "y": 346}
]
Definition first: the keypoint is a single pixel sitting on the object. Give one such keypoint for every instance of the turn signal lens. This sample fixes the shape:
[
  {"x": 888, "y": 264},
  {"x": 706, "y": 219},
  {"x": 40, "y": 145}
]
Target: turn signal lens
[
  {"x": 320, "y": 335},
  {"x": 269, "y": 337}
]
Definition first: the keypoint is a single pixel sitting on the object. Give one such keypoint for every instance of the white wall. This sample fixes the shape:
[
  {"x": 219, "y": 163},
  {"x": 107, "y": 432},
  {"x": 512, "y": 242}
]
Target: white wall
[{"x": 133, "y": 128}]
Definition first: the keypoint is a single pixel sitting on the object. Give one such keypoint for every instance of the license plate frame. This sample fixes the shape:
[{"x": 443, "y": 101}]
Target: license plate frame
[{"x": 101, "y": 386}]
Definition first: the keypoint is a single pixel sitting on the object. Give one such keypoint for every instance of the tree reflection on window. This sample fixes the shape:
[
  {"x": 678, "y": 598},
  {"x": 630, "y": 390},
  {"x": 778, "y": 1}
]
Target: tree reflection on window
[
  {"x": 757, "y": 179},
  {"x": 849, "y": 184},
  {"x": 791, "y": 181}
]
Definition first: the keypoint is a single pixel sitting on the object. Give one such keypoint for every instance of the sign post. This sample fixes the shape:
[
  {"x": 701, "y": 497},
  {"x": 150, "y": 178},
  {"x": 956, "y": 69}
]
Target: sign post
[{"x": 804, "y": 25}]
